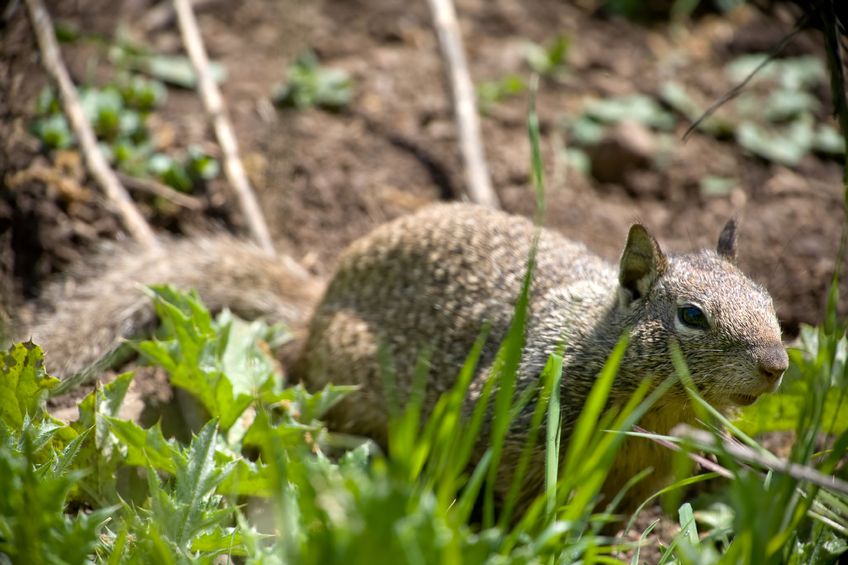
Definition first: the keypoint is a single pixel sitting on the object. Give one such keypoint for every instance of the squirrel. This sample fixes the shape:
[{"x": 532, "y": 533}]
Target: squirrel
[{"x": 433, "y": 280}]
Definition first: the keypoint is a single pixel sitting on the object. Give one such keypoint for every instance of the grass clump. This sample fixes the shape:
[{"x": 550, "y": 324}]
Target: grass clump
[
  {"x": 119, "y": 492},
  {"x": 262, "y": 480}
]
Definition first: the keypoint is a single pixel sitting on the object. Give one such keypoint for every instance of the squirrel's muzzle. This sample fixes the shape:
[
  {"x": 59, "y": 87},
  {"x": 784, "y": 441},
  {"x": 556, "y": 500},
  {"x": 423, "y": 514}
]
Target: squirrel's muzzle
[{"x": 772, "y": 362}]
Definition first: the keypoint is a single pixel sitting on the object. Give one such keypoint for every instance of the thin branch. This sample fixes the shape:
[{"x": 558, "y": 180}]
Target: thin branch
[
  {"x": 162, "y": 190},
  {"x": 214, "y": 104},
  {"x": 162, "y": 15},
  {"x": 705, "y": 440},
  {"x": 699, "y": 459},
  {"x": 464, "y": 103},
  {"x": 99, "y": 168},
  {"x": 736, "y": 90}
]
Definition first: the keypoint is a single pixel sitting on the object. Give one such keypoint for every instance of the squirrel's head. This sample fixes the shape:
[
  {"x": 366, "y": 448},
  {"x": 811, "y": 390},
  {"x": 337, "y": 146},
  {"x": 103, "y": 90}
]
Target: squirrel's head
[{"x": 724, "y": 323}]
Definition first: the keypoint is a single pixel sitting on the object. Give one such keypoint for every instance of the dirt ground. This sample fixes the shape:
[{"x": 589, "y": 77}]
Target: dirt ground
[{"x": 326, "y": 178}]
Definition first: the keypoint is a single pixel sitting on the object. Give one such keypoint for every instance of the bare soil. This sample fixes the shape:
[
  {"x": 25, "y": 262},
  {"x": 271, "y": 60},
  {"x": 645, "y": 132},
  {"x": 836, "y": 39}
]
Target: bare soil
[{"x": 326, "y": 178}]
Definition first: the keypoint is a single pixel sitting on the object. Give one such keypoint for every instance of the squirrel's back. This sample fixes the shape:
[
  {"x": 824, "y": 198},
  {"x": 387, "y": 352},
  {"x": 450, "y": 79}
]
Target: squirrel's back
[{"x": 428, "y": 284}]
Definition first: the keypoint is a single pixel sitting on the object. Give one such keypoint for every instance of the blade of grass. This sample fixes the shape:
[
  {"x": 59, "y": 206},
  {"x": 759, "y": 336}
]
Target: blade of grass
[
  {"x": 686, "y": 519},
  {"x": 676, "y": 485},
  {"x": 406, "y": 447},
  {"x": 505, "y": 371},
  {"x": 553, "y": 439},
  {"x": 592, "y": 409},
  {"x": 550, "y": 375}
]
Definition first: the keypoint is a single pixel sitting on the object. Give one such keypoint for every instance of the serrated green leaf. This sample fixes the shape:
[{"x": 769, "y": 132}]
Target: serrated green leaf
[
  {"x": 286, "y": 434},
  {"x": 357, "y": 457},
  {"x": 248, "y": 478},
  {"x": 305, "y": 406},
  {"x": 196, "y": 479},
  {"x": 105, "y": 400},
  {"x": 226, "y": 541},
  {"x": 64, "y": 463},
  {"x": 145, "y": 447},
  {"x": 40, "y": 433},
  {"x": 100, "y": 455},
  {"x": 250, "y": 370},
  {"x": 24, "y": 384},
  {"x": 191, "y": 351},
  {"x": 33, "y": 525}
]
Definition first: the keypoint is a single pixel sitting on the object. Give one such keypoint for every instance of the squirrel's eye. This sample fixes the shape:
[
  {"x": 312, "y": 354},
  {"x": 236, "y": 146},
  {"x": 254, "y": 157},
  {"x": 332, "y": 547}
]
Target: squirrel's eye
[{"x": 692, "y": 316}]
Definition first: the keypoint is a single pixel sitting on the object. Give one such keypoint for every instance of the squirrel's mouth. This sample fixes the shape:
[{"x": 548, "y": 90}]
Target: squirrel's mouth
[{"x": 743, "y": 399}]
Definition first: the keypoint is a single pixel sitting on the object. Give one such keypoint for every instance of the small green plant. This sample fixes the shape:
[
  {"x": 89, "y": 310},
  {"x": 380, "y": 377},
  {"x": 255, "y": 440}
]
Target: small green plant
[
  {"x": 545, "y": 60},
  {"x": 184, "y": 173},
  {"x": 118, "y": 113},
  {"x": 592, "y": 125},
  {"x": 548, "y": 60},
  {"x": 776, "y": 115},
  {"x": 491, "y": 93},
  {"x": 309, "y": 84},
  {"x": 54, "y": 132},
  {"x": 183, "y": 505}
]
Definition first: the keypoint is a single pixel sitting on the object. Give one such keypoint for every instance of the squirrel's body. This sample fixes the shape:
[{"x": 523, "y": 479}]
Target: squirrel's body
[{"x": 427, "y": 284}]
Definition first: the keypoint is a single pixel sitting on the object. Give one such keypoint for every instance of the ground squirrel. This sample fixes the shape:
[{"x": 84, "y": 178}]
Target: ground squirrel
[{"x": 433, "y": 279}]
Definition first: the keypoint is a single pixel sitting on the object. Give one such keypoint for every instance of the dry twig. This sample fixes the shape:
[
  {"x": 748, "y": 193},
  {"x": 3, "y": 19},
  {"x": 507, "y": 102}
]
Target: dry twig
[
  {"x": 464, "y": 103},
  {"x": 699, "y": 459},
  {"x": 743, "y": 453},
  {"x": 162, "y": 190},
  {"x": 99, "y": 168},
  {"x": 737, "y": 90},
  {"x": 162, "y": 15},
  {"x": 214, "y": 104}
]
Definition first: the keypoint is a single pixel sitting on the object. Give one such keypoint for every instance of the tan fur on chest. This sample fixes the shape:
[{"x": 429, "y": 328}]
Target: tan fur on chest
[{"x": 637, "y": 454}]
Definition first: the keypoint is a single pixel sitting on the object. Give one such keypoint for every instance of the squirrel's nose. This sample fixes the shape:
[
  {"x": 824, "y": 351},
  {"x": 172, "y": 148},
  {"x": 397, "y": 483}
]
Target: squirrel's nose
[{"x": 773, "y": 361}]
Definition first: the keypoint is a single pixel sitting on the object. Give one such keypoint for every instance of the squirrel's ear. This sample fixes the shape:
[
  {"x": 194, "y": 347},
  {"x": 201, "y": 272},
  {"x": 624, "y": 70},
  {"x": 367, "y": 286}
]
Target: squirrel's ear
[
  {"x": 642, "y": 262},
  {"x": 727, "y": 241}
]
